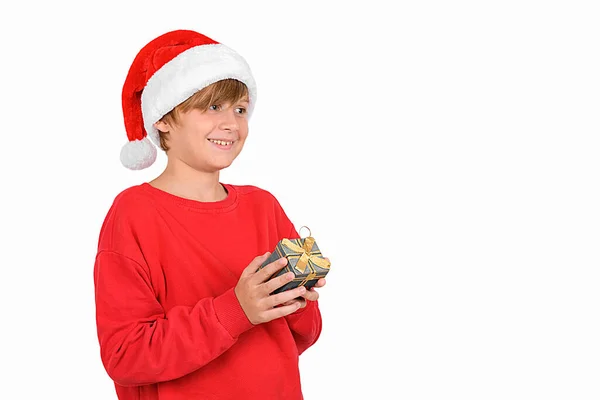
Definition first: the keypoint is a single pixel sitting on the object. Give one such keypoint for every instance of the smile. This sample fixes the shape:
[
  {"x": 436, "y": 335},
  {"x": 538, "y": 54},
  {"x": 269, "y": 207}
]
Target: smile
[{"x": 221, "y": 144}]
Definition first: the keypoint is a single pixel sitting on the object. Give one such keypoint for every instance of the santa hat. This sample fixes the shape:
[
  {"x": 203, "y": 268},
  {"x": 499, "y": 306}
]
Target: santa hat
[{"x": 165, "y": 73}]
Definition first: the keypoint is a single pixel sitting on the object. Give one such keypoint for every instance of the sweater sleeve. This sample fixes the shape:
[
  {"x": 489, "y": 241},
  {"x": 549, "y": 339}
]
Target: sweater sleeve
[
  {"x": 306, "y": 325},
  {"x": 141, "y": 344}
]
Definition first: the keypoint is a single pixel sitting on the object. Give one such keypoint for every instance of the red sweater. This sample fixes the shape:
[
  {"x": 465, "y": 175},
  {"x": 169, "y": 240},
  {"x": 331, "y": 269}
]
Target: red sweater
[{"x": 169, "y": 323}]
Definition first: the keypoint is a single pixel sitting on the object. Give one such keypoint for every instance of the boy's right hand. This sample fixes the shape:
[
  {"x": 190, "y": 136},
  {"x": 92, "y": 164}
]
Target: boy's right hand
[{"x": 253, "y": 289}]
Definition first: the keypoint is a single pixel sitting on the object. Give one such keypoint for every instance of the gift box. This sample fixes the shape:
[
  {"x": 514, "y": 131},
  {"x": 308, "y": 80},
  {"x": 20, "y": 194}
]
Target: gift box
[{"x": 304, "y": 260}]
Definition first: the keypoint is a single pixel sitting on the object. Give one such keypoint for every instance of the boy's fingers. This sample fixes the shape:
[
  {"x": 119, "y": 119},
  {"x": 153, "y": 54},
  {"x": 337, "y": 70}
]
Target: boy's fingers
[
  {"x": 302, "y": 303},
  {"x": 296, "y": 300},
  {"x": 281, "y": 311},
  {"x": 277, "y": 282},
  {"x": 255, "y": 264},
  {"x": 311, "y": 295},
  {"x": 280, "y": 298},
  {"x": 264, "y": 274}
]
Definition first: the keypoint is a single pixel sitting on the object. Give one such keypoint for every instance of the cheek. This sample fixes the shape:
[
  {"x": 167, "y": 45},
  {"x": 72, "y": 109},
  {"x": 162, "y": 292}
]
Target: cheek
[
  {"x": 198, "y": 133},
  {"x": 192, "y": 141},
  {"x": 243, "y": 131}
]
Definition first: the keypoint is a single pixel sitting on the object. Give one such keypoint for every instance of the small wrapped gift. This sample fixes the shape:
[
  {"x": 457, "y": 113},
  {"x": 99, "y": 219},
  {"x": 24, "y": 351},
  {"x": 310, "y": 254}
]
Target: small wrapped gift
[{"x": 304, "y": 260}]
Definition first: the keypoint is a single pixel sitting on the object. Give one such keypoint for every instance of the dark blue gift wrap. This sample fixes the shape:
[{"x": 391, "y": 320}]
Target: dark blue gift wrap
[{"x": 304, "y": 260}]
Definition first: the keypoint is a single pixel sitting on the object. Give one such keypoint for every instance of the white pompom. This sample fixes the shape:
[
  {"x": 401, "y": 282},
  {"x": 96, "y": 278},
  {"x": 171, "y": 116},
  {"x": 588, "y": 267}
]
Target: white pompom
[{"x": 138, "y": 154}]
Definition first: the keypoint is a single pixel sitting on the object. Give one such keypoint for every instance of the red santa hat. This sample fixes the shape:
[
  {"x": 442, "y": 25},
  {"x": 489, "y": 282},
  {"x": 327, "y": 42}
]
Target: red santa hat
[{"x": 166, "y": 72}]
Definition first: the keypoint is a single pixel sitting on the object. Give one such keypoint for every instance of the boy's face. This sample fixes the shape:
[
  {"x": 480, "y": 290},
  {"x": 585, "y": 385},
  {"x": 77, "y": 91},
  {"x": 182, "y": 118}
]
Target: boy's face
[{"x": 208, "y": 140}]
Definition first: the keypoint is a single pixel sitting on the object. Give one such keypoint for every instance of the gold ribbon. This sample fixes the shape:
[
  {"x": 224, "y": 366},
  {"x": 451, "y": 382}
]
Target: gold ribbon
[{"x": 306, "y": 254}]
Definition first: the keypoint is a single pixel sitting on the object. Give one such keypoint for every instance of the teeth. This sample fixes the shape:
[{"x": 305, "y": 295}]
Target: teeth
[{"x": 220, "y": 142}]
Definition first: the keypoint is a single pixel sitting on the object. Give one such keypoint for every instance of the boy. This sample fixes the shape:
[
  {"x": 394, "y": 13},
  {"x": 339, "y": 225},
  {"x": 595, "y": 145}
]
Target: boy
[{"x": 182, "y": 310}]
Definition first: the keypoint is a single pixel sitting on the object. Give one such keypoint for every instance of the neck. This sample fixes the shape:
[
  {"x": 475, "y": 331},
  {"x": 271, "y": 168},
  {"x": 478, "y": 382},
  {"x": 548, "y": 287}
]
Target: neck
[{"x": 184, "y": 181}]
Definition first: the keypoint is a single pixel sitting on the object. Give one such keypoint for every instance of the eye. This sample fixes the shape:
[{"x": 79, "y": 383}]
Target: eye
[
  {"x": 215, "y": 107},
  {"x": 241, "y": 110}
]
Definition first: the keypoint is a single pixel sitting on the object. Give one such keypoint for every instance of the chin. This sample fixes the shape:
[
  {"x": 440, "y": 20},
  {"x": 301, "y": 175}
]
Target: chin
[
  {"x": 220, "y": 166},
  {"x": 224, "y": 166}
]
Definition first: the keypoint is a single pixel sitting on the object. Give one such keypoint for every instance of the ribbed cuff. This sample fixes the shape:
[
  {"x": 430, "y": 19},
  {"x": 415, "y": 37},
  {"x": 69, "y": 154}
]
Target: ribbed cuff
[{"x": 230, "y": 313}]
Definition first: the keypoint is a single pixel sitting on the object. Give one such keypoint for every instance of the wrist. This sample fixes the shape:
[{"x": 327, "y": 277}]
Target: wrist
[{"x": 230, "y": 313}]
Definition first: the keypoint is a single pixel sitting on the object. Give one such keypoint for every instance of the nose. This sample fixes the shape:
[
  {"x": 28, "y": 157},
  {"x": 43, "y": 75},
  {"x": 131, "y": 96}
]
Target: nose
[{"x": 228, "y": 120}]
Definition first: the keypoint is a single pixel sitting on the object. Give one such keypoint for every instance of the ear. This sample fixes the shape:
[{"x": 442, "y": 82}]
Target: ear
[{"x": 162, "y": 126}]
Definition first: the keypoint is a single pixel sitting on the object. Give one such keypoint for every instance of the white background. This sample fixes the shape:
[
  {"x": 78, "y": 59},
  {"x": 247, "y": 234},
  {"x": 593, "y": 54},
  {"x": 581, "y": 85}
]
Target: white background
[{"x": 444, "y": 154}]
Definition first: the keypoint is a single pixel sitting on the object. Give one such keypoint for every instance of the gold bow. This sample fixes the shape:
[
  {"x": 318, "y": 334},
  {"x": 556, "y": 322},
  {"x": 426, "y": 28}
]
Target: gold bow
[{"x": 306, "y": 254}]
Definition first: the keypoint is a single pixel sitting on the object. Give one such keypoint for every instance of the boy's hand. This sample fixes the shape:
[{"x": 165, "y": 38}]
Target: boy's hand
[
  {"x": 311, "y": 294},
  {"x": 253, "y": 291}
]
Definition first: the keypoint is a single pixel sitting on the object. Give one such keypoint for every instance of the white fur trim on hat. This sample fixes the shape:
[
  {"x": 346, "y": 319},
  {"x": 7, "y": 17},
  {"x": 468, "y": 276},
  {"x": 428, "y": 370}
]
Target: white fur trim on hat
[
  {"x": 138, "y": 154},
  {"x": 188, "y": 72}
]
